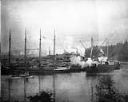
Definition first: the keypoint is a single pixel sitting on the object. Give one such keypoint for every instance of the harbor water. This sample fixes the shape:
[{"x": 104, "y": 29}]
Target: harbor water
[{"x": 69, "y": 87}]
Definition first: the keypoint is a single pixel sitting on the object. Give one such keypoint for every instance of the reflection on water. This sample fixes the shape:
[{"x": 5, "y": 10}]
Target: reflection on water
[
  {"x": 106, "y": 92},
  {"x": 72, "y": 87}
]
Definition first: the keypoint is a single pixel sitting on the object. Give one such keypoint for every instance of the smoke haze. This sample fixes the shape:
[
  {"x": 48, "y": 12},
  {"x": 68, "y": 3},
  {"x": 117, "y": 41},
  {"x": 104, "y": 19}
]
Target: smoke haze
[{"x": 72, "y": 20}]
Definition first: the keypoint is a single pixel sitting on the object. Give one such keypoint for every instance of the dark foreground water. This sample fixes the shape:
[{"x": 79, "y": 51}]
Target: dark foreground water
[{"x": 72, "y": 87}]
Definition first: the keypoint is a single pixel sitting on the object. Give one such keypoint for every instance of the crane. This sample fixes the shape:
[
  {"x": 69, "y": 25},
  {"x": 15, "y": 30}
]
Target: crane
[{"x": 83, "y": 45}]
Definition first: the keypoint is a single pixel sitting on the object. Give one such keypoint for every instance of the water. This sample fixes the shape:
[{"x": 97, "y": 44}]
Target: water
[{"x": 71, "y": 87}]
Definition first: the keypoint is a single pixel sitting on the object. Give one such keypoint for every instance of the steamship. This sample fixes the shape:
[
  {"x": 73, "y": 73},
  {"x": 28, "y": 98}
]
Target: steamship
[{"x": 102, "y": 64}]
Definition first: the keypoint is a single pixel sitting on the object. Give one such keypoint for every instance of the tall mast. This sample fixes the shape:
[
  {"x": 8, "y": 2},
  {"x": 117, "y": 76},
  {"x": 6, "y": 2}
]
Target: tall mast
[
  {"x": 25, "y": 57},
  {"x": 107, "y": 48},
  {"x": 54, "y": 41},
  {"x": 25, "y": 48},
  {"x": 9, "y": 47},
  {"x": 91, "y": 47},
  {"x": 40, "y": 50},
  {"x": 39, "y": 57}
]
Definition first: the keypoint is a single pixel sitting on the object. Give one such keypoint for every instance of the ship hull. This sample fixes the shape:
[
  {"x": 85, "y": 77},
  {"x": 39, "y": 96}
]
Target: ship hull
[{"x": 102, "y": 68}]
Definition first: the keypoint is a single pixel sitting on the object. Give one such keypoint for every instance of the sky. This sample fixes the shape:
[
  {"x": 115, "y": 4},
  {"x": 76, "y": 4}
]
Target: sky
[{"x": 72, "y": 20}]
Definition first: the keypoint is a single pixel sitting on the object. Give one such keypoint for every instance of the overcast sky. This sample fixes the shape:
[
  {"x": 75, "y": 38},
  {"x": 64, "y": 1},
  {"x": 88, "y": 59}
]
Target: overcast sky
[{"x": 73, "y": 20}]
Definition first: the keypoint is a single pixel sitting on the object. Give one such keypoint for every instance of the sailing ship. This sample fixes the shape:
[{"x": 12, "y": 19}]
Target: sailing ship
[{"x": 6, "y": 66}]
